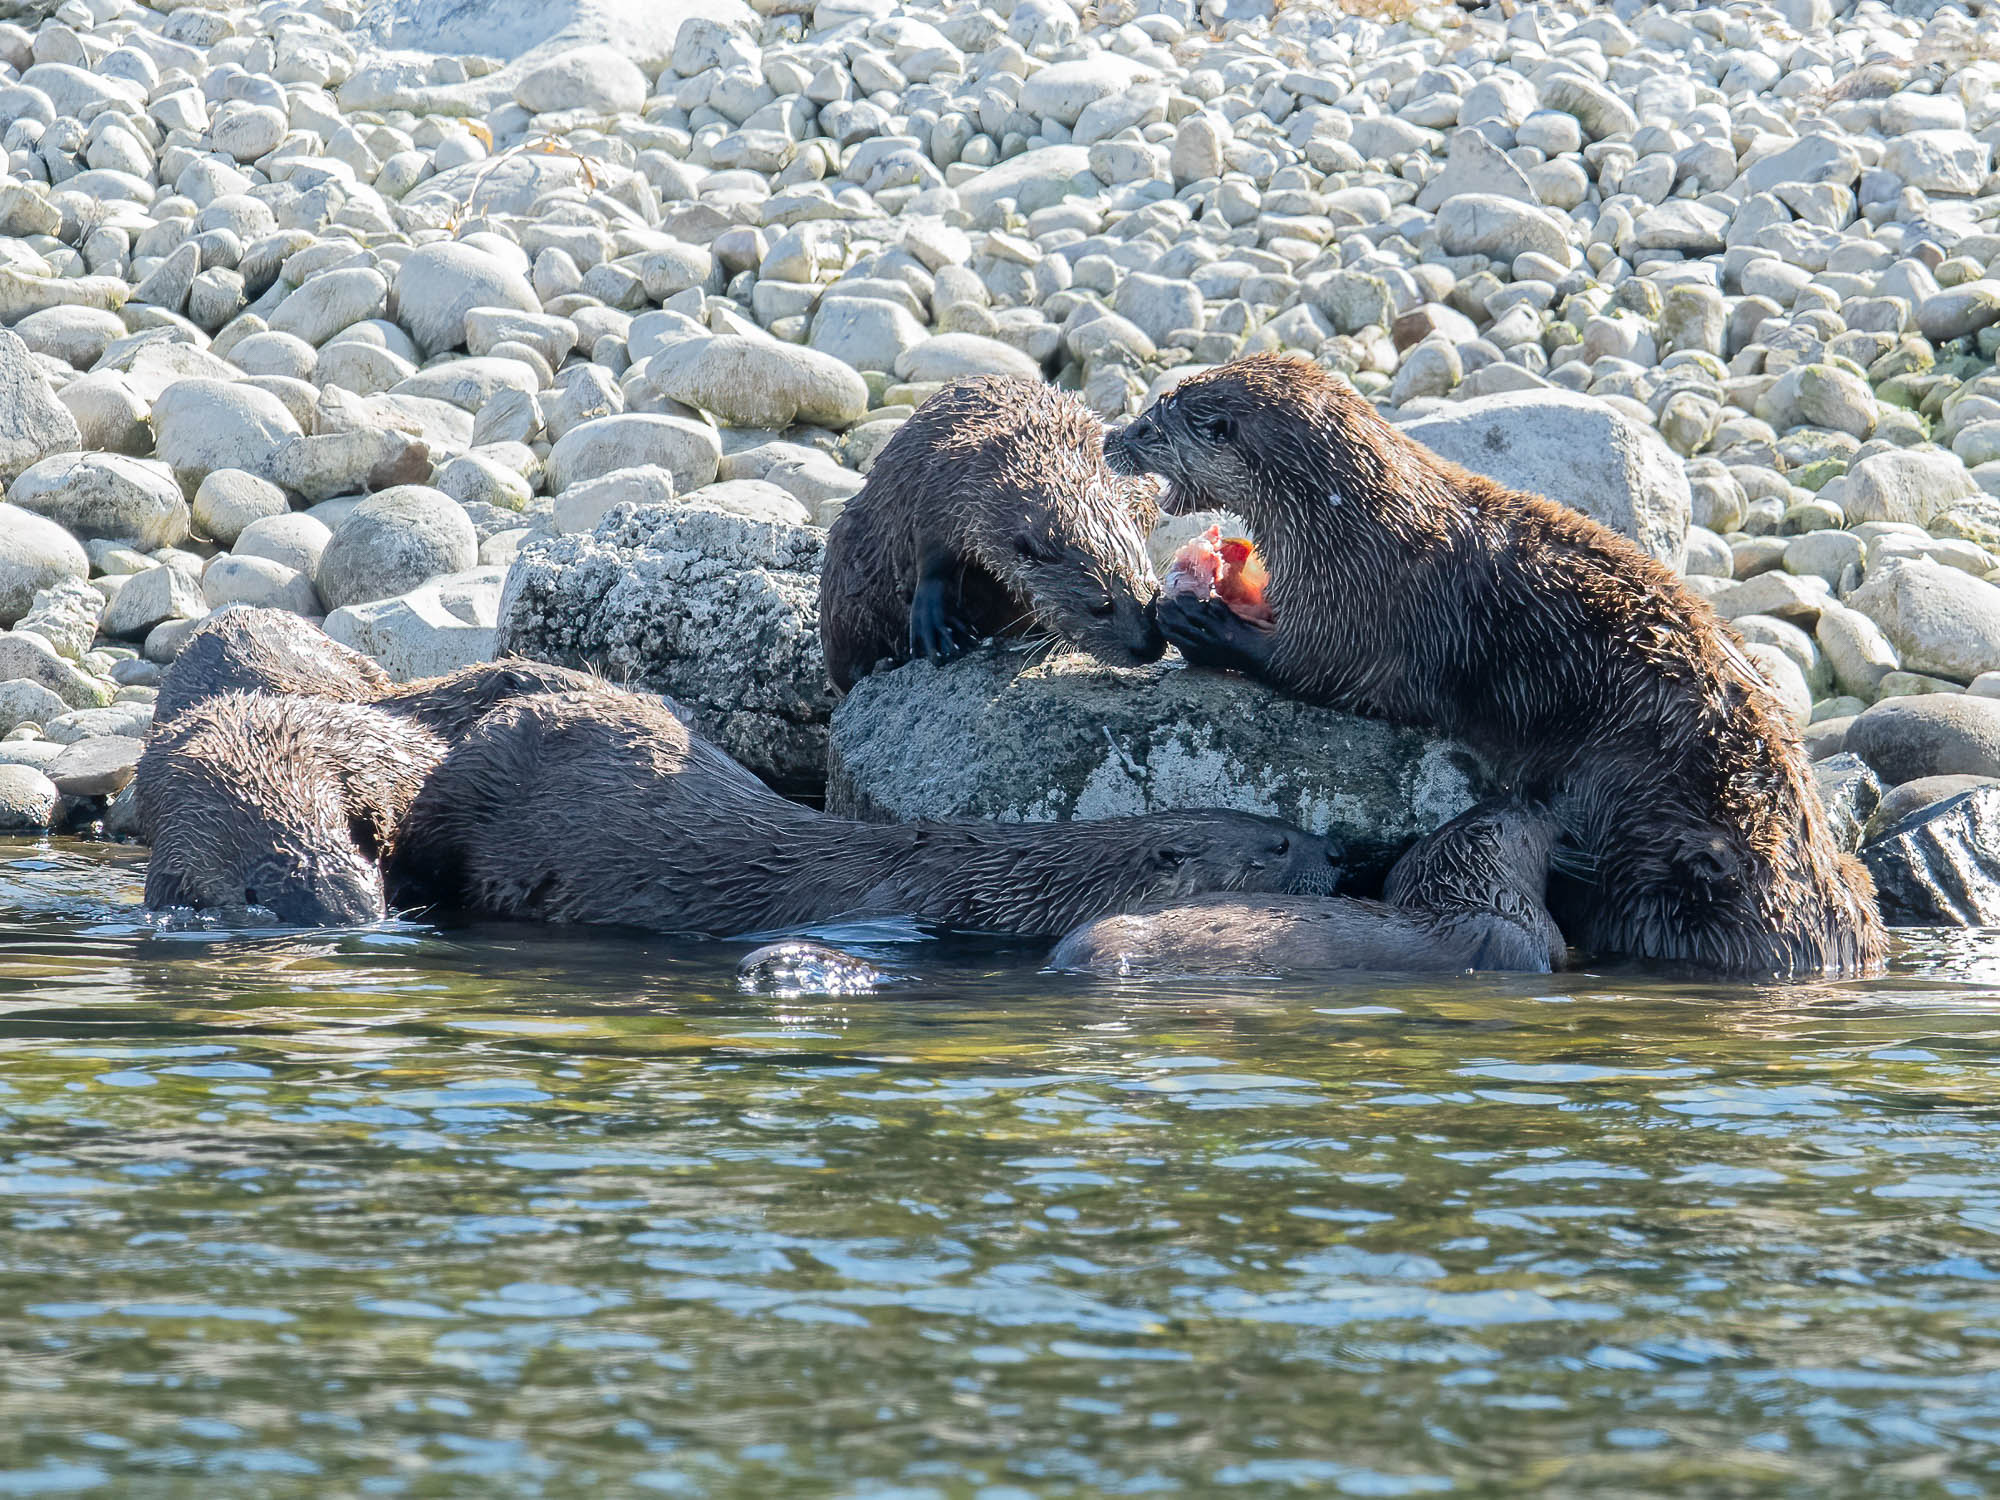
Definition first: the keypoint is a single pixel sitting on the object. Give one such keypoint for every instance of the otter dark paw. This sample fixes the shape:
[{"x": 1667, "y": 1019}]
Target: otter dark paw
[
  {"x": 939, "y": 629},
  {"x": 1208, "y": 633}
]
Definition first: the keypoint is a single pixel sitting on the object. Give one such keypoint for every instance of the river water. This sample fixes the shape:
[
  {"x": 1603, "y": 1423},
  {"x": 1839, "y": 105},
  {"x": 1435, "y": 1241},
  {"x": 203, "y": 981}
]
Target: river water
[{"x": 517, "y": 1211}]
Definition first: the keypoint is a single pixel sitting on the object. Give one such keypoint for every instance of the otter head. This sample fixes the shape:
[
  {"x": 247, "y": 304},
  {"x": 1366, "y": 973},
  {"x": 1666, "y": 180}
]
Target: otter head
[
  {"x": 1248, "y": 437},
  {"x": 1189, "y": 854},
  {"x": 314, "y": 888},
  {"x": 1082, "y": 567}
]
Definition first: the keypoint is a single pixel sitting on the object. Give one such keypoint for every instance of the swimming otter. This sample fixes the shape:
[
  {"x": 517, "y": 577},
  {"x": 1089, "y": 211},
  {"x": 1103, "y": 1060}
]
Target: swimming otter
[
  {"x": 1468, "y": 896},
  {"x": 286, "y": 803},
  {"x": 989, "y": 509},
  {"x": 274, "y": 651},
  {"x": 603, "y": 807},
  {"x": 1408, "y": 588}
]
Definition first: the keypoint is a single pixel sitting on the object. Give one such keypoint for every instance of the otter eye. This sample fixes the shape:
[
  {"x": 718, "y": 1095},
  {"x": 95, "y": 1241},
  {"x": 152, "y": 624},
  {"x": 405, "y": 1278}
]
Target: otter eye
[
  {"x": 1105, "y": 610},
  {"x": 1217, "y": 427},
  {"x": 250, "y": 895},
  {"x": 1283, "y": 846}
]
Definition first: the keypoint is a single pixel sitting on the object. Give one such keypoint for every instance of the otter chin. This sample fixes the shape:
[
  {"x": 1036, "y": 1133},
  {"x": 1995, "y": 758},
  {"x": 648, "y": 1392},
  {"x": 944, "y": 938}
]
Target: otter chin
[{"x": 1410, "y": 589}]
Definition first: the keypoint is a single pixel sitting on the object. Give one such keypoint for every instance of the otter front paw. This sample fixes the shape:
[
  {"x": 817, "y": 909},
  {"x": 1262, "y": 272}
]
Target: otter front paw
[
  {"x": 1208, "y": 633},
  {"x": 939, "y": 630}
]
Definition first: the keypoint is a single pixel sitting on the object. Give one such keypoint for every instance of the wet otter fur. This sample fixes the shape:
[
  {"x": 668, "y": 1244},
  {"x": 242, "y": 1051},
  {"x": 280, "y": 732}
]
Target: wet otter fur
[
  {"x": 603, "y": 807},
  {"x": 246, "y": 649},
  {"x": 1411, "y": 589},
  {"x": 277, "y": 652},
  {"x": 1468, "y": 896},
  {"x": 287, "y": 803},
  {"x": 989, "y": 512}
]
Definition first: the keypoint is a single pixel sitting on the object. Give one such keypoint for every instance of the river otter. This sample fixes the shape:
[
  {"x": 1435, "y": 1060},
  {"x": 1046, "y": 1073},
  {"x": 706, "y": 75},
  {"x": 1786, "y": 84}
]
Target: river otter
[
  {"x": 988, "y": 511},
  {"x": 245, "y": 649},
  {"x": 1468, "y": 896},
  {"x": 274, "y": 651},
  {"x": 1408, "y": 588},
  {"x": 287, "y": 803},
  {"x": 603, "y": 807}
]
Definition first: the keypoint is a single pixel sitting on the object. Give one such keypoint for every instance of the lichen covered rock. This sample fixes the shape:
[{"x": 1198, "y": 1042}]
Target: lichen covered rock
[
  {"x": 1002, "y": 734},
  {"x": 716, "y": 610}
]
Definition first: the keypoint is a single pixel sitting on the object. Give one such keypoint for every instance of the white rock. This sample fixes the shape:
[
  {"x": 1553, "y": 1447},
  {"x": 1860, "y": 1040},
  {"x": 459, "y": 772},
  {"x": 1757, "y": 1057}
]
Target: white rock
[
  {"x": 1063, "y": 90},
  {"x": 439, "y": 283},
  {"x": 148, "y": 598},
  {"x": 1909, "y": 484},
  {"x": 35, "y": 554},
  {"x": 106, "y": 495},
  {"x": 295, "y": 540},
  {"x": 392, "y": 542},
  {"x": 755, "y": 500},
  {"x": 1940, "y": 161},
  {"x": 230, "y": 579},
  {"x": 443, "y": 625},
  {"x": 1941, "y": 621},
  {"x": 757, "y": 382},
  {"x": 25, "y": 702},
  {"x": 600, "y": 80},
  {"x": 582, "y": 506},
  {"x": 33, "y": 423},
  {"x": 687, "y": 450},
  {"x": 331, "y": 302},
  {"x": 227, "y": 500},
  {"x": 1574, "y": 449},
  {"x": 948, "y": 356},
  {"x": 205, "y": 425}
]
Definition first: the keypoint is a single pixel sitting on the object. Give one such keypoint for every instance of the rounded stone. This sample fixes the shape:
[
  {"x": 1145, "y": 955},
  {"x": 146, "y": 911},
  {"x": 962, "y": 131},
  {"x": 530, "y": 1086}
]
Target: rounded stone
[
  {"x": 106, "y": 495},
  {"x": 438, "y": 284},
  {"x": 332, "y": 302},
  {"x": 392, "y": 542},
  {"x": 35, "y": 553},
  {"x": 204, "y": 425},
  {"x": 230, "y": 579},
  {"x": 28, "y": 800},
  {"x": 227, "y": 500},
  {"x": 600, "y": 80},
  {"x": 1936, "y": 734},
  {"x": 296, "y": 540}
]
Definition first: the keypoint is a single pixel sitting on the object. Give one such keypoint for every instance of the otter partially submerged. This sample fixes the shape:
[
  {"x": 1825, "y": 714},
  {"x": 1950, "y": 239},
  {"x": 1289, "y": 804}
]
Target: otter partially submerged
[
  {"x": 286, "y": 803},
  {"x": 1408, "y": 588},
  {"x": 603, "y": 807},
  {"x": 989, "y": 512},
  {"x": 1468, "y": 896}
]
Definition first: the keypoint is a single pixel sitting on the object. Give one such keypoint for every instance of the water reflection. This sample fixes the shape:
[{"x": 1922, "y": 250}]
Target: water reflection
[{"x": 503, "y": 1211}]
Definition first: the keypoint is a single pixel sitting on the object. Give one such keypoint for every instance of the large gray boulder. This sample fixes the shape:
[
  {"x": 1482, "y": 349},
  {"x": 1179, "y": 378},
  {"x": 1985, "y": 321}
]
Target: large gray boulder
[
  {"x": 717, "y": 610},
  {"x": 107, "y": 495},
  {"x": 1002, "y": 734},
  {"x": 1574, "y": 449}
]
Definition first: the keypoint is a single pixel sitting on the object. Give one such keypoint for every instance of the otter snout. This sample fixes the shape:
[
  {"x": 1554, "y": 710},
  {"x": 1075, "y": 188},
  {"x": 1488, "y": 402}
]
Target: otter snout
[{"x": 343, "y": 895}]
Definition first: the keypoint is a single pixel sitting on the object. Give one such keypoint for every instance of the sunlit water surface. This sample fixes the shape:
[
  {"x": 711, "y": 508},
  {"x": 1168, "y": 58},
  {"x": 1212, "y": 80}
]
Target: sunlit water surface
[{"x": 524, "y": 1212}]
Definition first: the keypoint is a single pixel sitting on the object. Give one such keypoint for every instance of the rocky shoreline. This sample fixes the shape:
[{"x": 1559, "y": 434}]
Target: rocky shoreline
[{"x": 567, "y": 328}]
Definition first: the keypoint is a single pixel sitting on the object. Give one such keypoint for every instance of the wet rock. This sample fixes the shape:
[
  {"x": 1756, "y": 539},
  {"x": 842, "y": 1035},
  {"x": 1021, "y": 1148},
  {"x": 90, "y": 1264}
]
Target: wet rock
[
  {"x": 999, "y": 735},
  {"x": 1850, "y": 793},
  {"x": 29, "y": 801},
  {"x": 1941, "y": 865}
]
